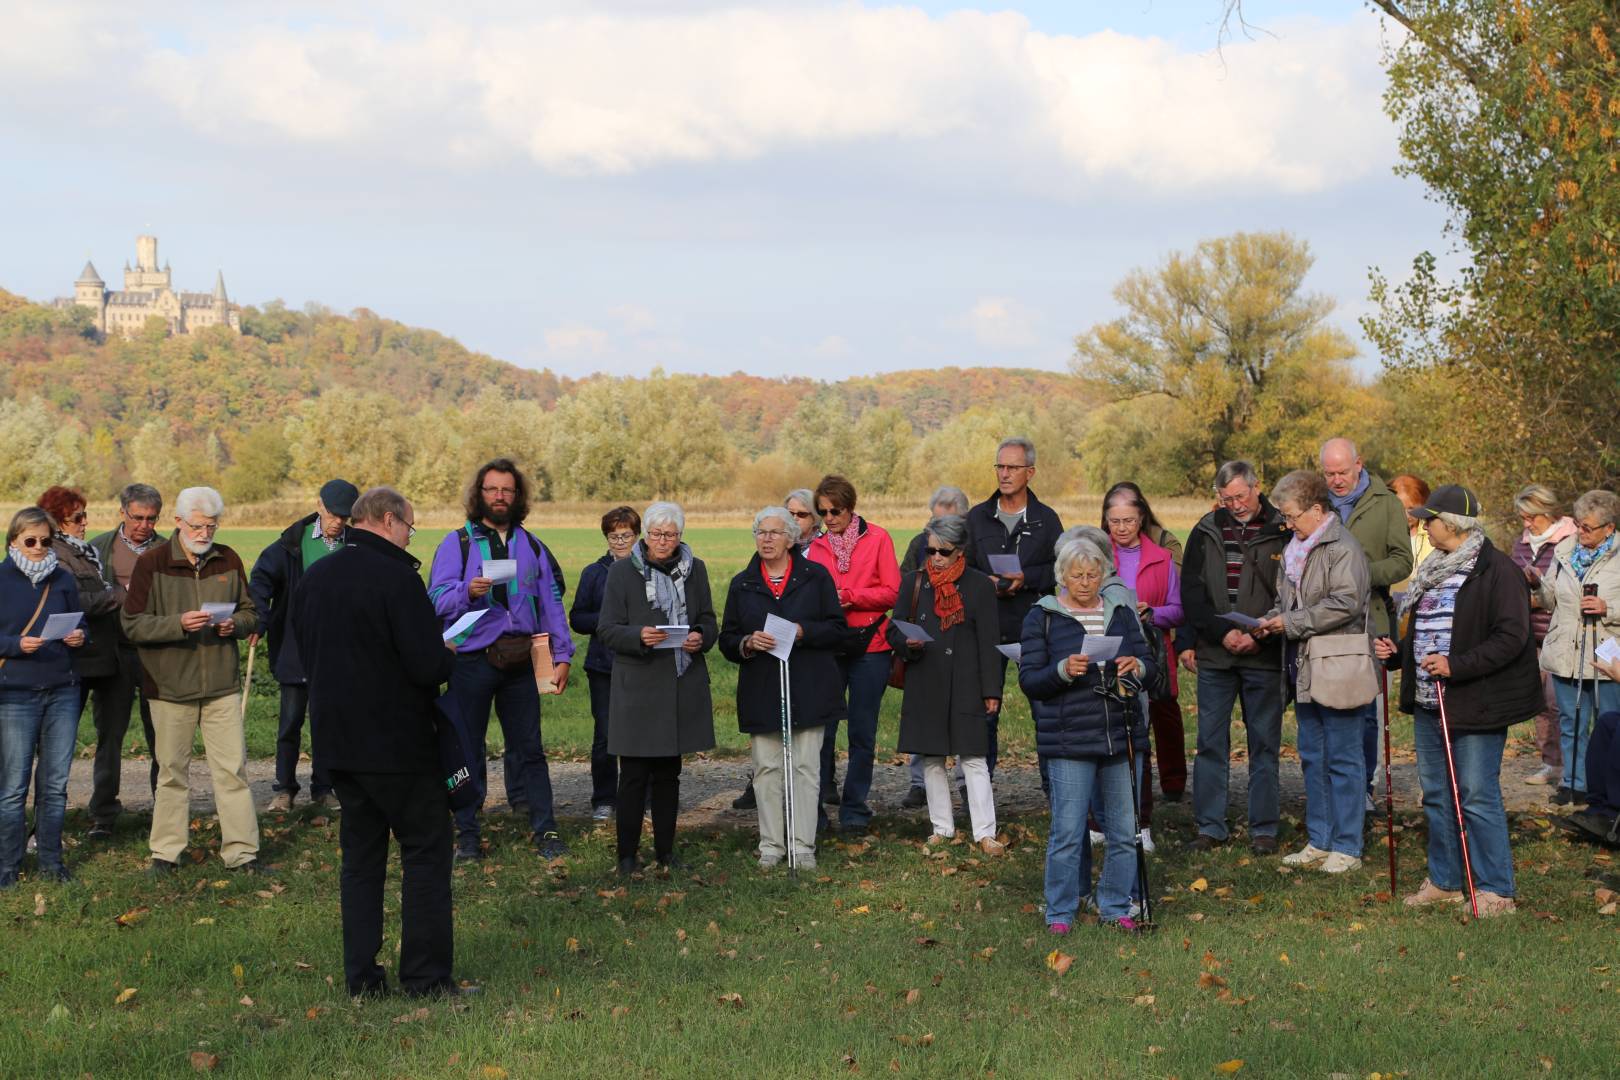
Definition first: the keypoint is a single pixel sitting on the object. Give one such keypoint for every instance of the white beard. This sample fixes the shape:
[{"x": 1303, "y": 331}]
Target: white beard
[{"x": 198, "y": 548}]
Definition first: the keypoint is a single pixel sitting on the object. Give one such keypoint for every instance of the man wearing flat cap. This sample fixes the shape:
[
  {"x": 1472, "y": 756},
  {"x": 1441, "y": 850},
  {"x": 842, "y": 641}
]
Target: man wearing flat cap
[{"x": 275, "y": 576}]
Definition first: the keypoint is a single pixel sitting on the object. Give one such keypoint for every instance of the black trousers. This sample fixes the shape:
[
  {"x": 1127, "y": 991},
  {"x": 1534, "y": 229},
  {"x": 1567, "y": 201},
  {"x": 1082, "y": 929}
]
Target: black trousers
[
  {"x": 414, "y": 808},
  {"x": 290, "y": 741},
  {"x": 111, "y": 698},
  {"x": 604, "y": 766},
  {"x": 639, "y": 777}
]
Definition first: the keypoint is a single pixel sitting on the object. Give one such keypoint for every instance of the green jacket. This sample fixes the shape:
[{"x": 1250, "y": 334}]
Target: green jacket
[
  {"x": 201, "y": 665},
  {"x": 1379, "y": 524}
]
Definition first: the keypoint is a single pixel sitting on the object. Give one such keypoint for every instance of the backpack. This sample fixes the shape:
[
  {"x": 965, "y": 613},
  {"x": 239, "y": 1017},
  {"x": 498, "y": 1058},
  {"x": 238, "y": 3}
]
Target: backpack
[{"x": 559, "y": 587}]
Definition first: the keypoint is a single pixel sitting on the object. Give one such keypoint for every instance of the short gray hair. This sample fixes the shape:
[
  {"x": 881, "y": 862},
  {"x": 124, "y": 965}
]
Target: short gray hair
[
  {"x": 1236, "y": 470},
  {"x": 378, "y": 502},
  {"x": 660, "y": 513},
  {"x": 1304, "y": 488},
  {"x": 789, "y": 523},
  {"x": 1536, "y": 499},
  {"x": 27, "y": 518},
  {"x": 1605, "y": 504},
  {"x": 204, "y": 500},
  {"x": 951, "y": 528},
  {"x": 1022, "y": 443},
  {"x": 140, "y": 495},
  {"x": 804, "y": 496},
  {"x": 1080, "y": 551},
  {"x": 951, "y": 496},
  {"x": 1460, "y": 523},
  {"x": 1099, "y": 539}
]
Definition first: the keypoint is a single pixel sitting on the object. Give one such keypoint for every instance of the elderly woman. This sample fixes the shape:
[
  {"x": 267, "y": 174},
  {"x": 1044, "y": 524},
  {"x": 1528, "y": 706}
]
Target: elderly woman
[
  {"x": 1323, "y": 588},
  {"x": 621, "y": 527},
  {"x": 780, "y": 581},
  {"x": 39, "y": 694},
  {"x": 660, "y": 706},
  {"x": 1545, "y": 527},
  {"x": 1468, "y": 638},
  {"x": 1581, "y": 592},
  {"x": 1086, "y": 718},
  {"x": 952, "y": 680},
  {"x": 860, "y": 558},
  {"x": 96, "y": 663}
]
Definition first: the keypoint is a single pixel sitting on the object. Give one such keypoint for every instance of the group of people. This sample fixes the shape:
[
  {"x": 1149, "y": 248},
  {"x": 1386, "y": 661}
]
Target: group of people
[{"x": 1308, "y": 596}]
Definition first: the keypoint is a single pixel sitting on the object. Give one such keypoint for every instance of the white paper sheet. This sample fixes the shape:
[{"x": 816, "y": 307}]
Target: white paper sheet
[
  {"x": 60, "y": 626},
  {"x": 676, "y": 637},
  {"x": 1100, "y": 649},
  {"x": 1608, "y": 652},
  {"x": 1006, "y": 565},
  {"x": 220, "y": 611},
  {"x": 1013, "y": 652},
  {"x": 785, "y": 633},
  {"x": 500, "y": 570},
  {"x": 912, "y": 631},
  {"x": 1248, "y": 622},
  {"x": 464, "y": 623}
]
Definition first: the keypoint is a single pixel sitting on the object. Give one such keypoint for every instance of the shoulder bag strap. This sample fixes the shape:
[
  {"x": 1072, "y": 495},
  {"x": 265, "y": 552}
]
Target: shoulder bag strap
[{"x": 32, "y": 619}]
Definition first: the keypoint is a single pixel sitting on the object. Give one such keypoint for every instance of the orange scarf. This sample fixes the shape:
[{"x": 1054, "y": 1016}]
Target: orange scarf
[{"x": 947, "y": 601}]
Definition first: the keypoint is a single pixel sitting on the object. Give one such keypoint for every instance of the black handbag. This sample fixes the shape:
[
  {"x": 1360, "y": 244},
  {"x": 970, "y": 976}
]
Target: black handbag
[{"x": 457, "y": 755}]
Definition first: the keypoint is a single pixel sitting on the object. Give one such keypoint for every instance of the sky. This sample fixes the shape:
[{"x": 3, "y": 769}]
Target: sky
[{"x": 817, "y": 188}]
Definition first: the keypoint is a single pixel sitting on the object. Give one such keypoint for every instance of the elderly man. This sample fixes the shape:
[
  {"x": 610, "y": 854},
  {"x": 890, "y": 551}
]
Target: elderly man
[
  {"x": 372, "y": 650},
  {"x": 275, "y": 577},
  {"x": 1376, "y": 517},
  {"x": 1230, "y": 568},
  {"x": 139, "y": 506},
  {"x": 188, "y": 604}
]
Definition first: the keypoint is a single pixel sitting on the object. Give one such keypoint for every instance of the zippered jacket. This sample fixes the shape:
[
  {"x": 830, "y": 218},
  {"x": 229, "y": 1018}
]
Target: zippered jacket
[{"x": 178, "y": 666}]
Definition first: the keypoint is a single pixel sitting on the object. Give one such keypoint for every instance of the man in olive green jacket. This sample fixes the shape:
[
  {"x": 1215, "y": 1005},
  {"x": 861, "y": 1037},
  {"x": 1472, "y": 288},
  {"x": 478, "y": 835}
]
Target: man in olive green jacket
[
  {"x": 1376, "y": 517},
  {"x": 189, "y": 655}
]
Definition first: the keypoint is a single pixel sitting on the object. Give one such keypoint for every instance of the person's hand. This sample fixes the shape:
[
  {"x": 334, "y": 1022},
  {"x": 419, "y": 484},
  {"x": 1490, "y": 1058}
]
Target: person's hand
[
  {"x": 1189, "y": 660},
  {"x": 992, "y": 704},
  {"x": 193, "y": 620},
  {"x": 449, "y": 644},
  {"x": 559, "y": 676},
  {"x": 652, "y": 637},
  {"x": 227, "y": 628},
  {"x": 1267, "y": 627},
  {"x": 1437, "y": 666},
  {"x": 31, "y": 645},
  {"x": 798, "y": 635},
  {"x": 1076, "y": 665},
  {"x": 914, "y": 647},
  {"x": 1239, "y": 643},
  {"x": 761, "y": 642},
  {"x": 1532, "y": 578},
  {"x": 1594, "y": 605},
  {"x": 75, "y": 639},
  {"x": 1144, "y": 611},
  {"x": 253, "y": 639},
  {"x": 1011, "y": 584},
  {"x": 693, "y": 642},
  {"x": 1384, "y": 648},
  {"x": 479, "y": 586},
  {"x": 1611, "y": 670},
  {"x": 1127, "y": 664}
]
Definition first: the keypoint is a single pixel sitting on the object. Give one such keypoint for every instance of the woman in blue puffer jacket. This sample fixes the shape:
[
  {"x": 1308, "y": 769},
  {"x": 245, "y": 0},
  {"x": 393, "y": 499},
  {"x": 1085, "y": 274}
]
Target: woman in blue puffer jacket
[{"x": 1082, "y": 711}]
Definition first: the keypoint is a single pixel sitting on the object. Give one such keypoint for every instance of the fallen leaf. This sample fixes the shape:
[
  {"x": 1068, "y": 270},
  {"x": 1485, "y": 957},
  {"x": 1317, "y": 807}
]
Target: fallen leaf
[
  {"x": 203, "y": 1061},
  {"x": 133, "y": 916},
  {"x": 245, "y": 1000},
  {"x": 987, "y": 952},
  {"x": 1143, "y": 999},
  {"x": 125, "y": 996},
  {"x": 204, "y": 921},
  {"x": 302, "y": 966},
  {"x": 1200, "y": 885},
  {"x": 1229, "y": 1067},
  {"x": 492, "y": 1072},
  {"x": 39, "y": 904},
  {"x": 1610, "y": 908},
  {"x": 1603, "y": 896},
  {"x": 1197, "y": 916},
  {"x": 913, "y": 996},
  {"x": 1209, "y": 962},
  {"x": 1208, "y": 979},
  {"x": 1059, "y": 962},
  {"x": 1282, "y": 958},
  {"x": 573, "y": 944},
  {"x": 733, "y": 999},
  {"x": 926, "y": 1039},
  {"x": 620, "y": 1011},
  {"x": 862, "y": 910},
  {"x": 237, "y": 973}
]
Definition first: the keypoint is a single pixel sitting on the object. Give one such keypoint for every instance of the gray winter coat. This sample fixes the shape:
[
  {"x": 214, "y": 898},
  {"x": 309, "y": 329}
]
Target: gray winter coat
[{"x": 1332, "y": 599}]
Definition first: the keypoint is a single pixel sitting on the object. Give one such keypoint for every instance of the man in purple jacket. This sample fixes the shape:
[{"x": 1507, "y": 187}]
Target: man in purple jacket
[{"x": 492, "y": 655}]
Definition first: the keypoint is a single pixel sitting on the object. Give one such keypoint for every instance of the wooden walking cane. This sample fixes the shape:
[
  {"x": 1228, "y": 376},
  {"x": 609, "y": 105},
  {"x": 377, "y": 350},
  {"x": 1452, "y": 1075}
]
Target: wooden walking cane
[{"x": 247, "y": 680}]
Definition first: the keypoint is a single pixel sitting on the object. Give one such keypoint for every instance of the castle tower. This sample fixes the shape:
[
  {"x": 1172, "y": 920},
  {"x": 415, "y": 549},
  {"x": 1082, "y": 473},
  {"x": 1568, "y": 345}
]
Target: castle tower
[
  {"x": 146, "y": 277},
  {"x": 146, "y": 252},
  {"x": 91, "y": 292}
]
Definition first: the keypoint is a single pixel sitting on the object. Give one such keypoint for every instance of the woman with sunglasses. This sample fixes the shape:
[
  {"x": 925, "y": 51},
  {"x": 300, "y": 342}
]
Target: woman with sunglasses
[
  {"x": 952, "y": 680},
  {"x": 622, "y": 528},
  {"x": 98, "y": 659},
  {"x": 39, "y": 694}
]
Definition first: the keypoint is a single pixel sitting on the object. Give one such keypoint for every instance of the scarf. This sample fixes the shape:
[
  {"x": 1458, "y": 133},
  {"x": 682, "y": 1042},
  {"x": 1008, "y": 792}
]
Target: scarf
[
  {"x": 666, "y": 590},
  {"x": 82, "y": 549},
  {"x": 1344, "y": 504},
  {"x": 1439, "y": 566},
  {"x": 141, "y": 548},
  {"x": 35, "y": 572},
  {"x": 843, "y": 544},
  {"x": 947, "y": 601},
  {"x": 1298, "y": 551},
  {"x": 1556, "y": 531},
  {"x": 1582, "y": 558}
]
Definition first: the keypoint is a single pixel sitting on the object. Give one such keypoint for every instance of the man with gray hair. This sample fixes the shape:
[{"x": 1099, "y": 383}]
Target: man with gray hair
[
  {"x": 112, "y": 697},
  {"x": 188, "y": 605}
]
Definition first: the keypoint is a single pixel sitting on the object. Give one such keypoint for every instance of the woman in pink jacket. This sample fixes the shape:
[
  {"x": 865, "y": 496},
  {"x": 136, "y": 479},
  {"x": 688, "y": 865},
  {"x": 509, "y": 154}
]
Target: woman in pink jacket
[{"x": 860, "y": 558}]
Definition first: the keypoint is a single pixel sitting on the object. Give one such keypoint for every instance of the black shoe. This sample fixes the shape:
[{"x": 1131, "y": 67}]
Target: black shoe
[
  {"x": 447, "y": 990},
  {"x": 519, "y": 809},
  {"x": 253, "y": 868},
  {"x": 915, "y": 798},
  {"x": 1173, "y": 796},
  {"x": 672, "y": 862},
  {"x": 161, "y": 868},
  {"x": 629, "y": 865},
  {"x": 467, "y": 850},
  {"x": 1562, "y": 797},
  {"x": 829, "y": 795},
  {"x": 101, "y": 830},
  {"x": 1263, "y": 845},
  {"x": 854, "y": 831},
  {"x": 746, "y": 800},
  {"x": 549, "y": 845},
  {"x": 59, "y": 874},
  {"x": 1592, "y": 825},
  {"x": 1205, "y": 842}
]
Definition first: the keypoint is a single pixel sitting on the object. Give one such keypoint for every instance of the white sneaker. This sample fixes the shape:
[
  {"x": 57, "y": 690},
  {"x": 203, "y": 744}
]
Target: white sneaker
[
  {"x": 1309, "y": 855},
  {"x": 1147, "y": 843},
  {"x": 1544, "y": 775},
  {"x": 1098, "y": 840},
  {"x": 1372, "y": 804},
  {"x": 1338, "y": 862}
]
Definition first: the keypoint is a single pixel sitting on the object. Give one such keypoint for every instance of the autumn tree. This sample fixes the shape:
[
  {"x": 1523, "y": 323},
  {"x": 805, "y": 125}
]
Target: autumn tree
[{"x": 638, "y": 438}]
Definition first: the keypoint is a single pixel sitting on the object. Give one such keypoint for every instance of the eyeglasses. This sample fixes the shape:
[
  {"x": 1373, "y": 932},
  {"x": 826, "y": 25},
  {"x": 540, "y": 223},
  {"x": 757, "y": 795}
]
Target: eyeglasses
[
  {"x": 801, "y": 514},
  {"x": 770, "y": 534},
  {"x": 32, "y": 542},
  {"x": 209, "y": 527},
  {"x": 141, "y": 519},
  {"x": 621, "y": 538},
  {"x": 78, "y": 519},
  {"x": 1585, "y": 528},
  {"x": 943, "y": 553},
  {"x": 1123, "y": 522},
  {"x": 1233, "y": 500},
  {"x": 1011, "y": 468},
  {"x": 830, "y": 511},
  {"x": 1086, "y": 575},
  {"x": 508, "y": 492},
  {"x": 663, "y": 537}
]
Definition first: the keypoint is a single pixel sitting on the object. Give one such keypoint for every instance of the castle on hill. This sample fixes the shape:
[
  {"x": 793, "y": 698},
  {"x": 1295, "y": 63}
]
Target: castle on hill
[{"x": 148, "y": 291}]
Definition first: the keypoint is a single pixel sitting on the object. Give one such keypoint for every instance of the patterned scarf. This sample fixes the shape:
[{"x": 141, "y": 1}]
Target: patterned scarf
[
  {"x": 666, "y": 590},
  {"x": 1439, "y": 566},
  {"x": 82, "y": 549},
  {"x": 947, "y": 601},
  {"x": 34, "y": 571},
  {"x": 1298, "y": 551},
  {"x": 843, "y": 544},
  {"x": 1583, "y": 558}
]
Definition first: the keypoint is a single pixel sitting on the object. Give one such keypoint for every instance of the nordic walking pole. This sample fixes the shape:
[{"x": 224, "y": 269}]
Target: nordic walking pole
[
  {"x": 247, "y": 680},
  {"x": 1588, "y": 624},
  {"x": 1456, "y": 800},
  {"x": 1136, "y": 821},
  {"x": 1389, "y": 787},
  {"x": 787, "y": 772}
]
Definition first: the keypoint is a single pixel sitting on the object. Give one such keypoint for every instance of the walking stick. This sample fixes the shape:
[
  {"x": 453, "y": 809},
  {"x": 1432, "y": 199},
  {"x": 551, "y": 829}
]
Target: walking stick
[
  {"x": 787, "y": 772},
  {"x": 1136, "y": 821},
  {"x": 1588, "y": 625},
  {"x": 247, "y": 680},
  {"x": 1389, "y": 787},
  {"x": 1456, "y": 799}
]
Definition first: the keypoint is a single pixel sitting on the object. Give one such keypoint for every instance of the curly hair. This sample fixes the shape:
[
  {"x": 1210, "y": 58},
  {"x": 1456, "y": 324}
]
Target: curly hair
[
  {"x": 61, "y": 503},
  {"x": 478, "y": 509}
]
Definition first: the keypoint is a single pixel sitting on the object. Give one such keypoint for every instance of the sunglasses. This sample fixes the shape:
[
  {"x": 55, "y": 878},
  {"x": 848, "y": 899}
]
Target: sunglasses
[
  {"x": 830, "y": 511},
  {"x": 943, "y": 553},
  {"x": 78, "y": 519},
  {"x": 32, "y": 542}
]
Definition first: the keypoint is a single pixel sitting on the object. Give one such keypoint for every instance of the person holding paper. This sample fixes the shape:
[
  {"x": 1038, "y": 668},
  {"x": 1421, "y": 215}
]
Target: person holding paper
[
  {"x": 276, "y": 574},
  {"x": 1323, "y": 594},
  {"x": 1545, "y": 526},
  {"x": 1086, "y": 723},
  {"x": 622, "y": 528},
  {"x": 660, "y": 707},
  {"x": 194, "y": 678},
  {"x": 779, "y": 583},
  {"x": 39, "y": 695},
  {"x": 493, "y": 664},
  {"x": 97, "y": 658},
  {"x": 952, "y": 681}
]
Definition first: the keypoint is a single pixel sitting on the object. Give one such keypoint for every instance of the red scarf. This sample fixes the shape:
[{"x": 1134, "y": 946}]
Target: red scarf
[
  {"x": 947, "y": 601},
  {"x": 777, "y": 588}
]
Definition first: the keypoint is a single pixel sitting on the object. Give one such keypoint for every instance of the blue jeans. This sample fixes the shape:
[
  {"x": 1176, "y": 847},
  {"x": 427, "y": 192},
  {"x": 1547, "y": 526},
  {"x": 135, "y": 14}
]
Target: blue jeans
[
  {"x": 1073, "y": 780},
  {"x": 1478, "y": 756},
  {"x": 49, "y": 720},
  {"x": 1335, "y": 775},
  {"x": 1607, "y": 700},
  {"x": 1099, "y": 814},
  {"x": 865, "y": 678},
  {"x": 477, "y": 684},
  {"x": 1218, "y": 690}
]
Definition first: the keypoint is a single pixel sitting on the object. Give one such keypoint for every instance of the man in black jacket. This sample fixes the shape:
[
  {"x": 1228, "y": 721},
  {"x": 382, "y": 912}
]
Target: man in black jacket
[
  {"x": 372, "y": 649},
  {"x": 275, "y": 577},
  {"x": 1014, "y": 522}
]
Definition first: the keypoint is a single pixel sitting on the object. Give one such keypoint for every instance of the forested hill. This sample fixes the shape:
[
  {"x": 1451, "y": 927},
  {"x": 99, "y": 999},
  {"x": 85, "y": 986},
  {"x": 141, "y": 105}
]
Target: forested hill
[{"x": 282, "y": 401}]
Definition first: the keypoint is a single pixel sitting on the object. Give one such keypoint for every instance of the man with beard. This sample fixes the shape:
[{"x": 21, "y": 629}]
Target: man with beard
[
  {"x": 492, "y": 656},
  {"x": 193, "y": 677}
]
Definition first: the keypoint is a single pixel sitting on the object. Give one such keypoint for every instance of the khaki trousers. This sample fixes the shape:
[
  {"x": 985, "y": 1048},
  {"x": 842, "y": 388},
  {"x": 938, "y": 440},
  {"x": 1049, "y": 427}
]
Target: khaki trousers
[
  {"x": 767, "y": 753},
  {"x": 225, "y": 746}
]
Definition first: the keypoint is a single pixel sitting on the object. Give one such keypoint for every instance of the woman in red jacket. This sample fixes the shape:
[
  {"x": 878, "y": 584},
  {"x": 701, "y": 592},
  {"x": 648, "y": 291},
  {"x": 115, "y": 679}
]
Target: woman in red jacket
[{"x": 860, "y": 558}]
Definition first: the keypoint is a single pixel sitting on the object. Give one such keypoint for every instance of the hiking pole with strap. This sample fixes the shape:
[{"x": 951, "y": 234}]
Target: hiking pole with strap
[
  {"x": 787, "y": 772},
  {"x": 1585, "y": 642},
  {"x": 1456, "y": 799},
  {"x": 1106, "y": 690},
  {"x": 1389, "y": 787}
]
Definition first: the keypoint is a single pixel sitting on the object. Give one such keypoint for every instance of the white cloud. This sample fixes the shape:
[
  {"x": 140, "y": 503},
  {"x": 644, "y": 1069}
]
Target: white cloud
[
  {"x": 831, "y": 347},
  {"x": 575, "y": 338},
  {"x": 1000, "y": 323},
  {"x": 577, "y": 92}
]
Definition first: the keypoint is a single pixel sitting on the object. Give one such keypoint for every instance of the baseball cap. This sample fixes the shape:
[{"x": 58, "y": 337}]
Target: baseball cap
[{"x": 1449, "y": 499}]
